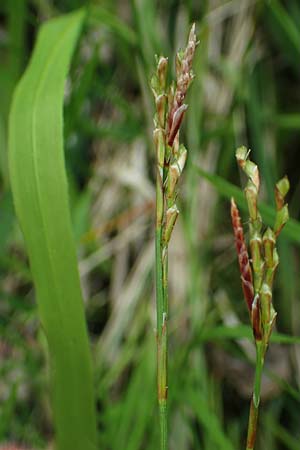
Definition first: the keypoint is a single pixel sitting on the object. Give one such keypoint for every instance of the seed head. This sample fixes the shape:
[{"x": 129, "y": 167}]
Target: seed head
[
  {"x": 250, "y": 169},
  {"x": 184, "y": 77},
  {"x": 281, "y": 189},
  {"x": 243, "y": 257},
  {"x": 264, "y": 256}
]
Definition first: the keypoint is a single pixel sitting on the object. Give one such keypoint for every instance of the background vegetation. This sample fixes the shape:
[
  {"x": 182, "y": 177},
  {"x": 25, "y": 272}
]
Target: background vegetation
[{"x": 246, "y": 91}]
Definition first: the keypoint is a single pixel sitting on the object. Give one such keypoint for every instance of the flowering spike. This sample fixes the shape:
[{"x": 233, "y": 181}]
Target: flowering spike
[
  {"x": 171, "y": 217},
  {"x": 155, "y": 86},
  {"x": 251, "y": 197},
  {"x": 170, "y": 161},
  {"x": 250, "y": 169},
  {"x": 281, "y": 219},
  {"x": 264, "y": 261},
  {"x": 184, "y": 75},
  {"x": 245, "y": 269},
  {"x": 281, "y": 189},
  {"x": 176, "y": 122},
  {"x": 162, "y": 69},
  {"x": 269, "y": 245},
  {"x": 161, "y": 101},
  {"x": 175, "y": 171},
  {"x": 159, "y": 141},
  {"x": 265, "y": 302},
  {"x": 256, "y": 257}
]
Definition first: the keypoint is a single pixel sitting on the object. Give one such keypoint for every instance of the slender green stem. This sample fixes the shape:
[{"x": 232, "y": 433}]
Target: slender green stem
[
  {"x": 170, "y": 161},
  {"x": 260, "y": 269},
  {"x": 260, "y": 356},
  {"x": 253, "y": 414},
  {"x": 163, "y": 415},
  {"x": 252, "y": 426},
  {"x": 161, "y": 308},
  {"x": 164, "y": 395},
  {"x": 159, "y": 282}
]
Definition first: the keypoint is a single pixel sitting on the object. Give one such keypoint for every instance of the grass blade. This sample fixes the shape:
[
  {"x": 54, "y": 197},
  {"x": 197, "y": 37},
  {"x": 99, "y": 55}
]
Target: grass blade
[
  {"x": 209, "y": 421},
  {"x": 39, "y": 188},
  {"x": 222, "y": 332},
  {"x": 98, "y": 14},
  {"x": 285, "y": 24},
  {"x": 228, "y": 190}
]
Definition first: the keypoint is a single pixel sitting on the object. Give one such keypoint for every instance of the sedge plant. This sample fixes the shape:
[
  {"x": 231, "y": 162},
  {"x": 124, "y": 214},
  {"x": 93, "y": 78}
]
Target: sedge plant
[
  {"x": 258, "y": 270},
  {"x": 170, "y": 161}
]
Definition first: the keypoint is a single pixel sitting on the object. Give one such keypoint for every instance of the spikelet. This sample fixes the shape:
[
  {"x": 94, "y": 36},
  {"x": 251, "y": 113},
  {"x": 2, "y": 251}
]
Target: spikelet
[
  {"x": 184, "y": 77},
  {"x": 170, "y": 154},
  {"x": 257, "y": 273},
  {"x": 243, "y": 257}
]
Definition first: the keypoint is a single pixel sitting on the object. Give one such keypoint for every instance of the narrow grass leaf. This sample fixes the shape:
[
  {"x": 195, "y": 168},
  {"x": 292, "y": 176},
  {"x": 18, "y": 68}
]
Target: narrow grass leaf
[
  {"x": 228, "y": 190},
  {"x": 288, "y": 121},
  {"x": 40, "y": 195},
  {"x": 289, "y": 441},
  {"x": 286, "y": 24},
  {"x": 209, "y": 421},
  {"x": 98, "y": 14},
  {"x": 222, "y": 332}
]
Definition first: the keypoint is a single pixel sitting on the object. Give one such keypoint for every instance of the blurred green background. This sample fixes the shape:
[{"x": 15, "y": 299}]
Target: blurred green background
[{"x": 246, "y": 91}]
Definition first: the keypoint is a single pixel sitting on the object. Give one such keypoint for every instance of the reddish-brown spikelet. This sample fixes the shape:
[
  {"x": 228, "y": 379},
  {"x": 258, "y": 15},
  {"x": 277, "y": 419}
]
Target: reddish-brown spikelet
[
  {"x": 184, "y": 77},
  {"x": 242, "y": 252}
]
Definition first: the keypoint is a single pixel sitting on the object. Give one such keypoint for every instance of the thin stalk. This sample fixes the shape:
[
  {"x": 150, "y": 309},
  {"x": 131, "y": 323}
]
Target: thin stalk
[
  {"x": 163, "y": 405},
  {"x": 161, "y": 345},
  {"x": 254, "y": 406},
  {"x": 170, "y": 161},
  {"x": 161, "y": 308},
  {"x": 252, "y": 426},
  {"x": 257, "y": 273},
  {"x": 159, "y": 279}
]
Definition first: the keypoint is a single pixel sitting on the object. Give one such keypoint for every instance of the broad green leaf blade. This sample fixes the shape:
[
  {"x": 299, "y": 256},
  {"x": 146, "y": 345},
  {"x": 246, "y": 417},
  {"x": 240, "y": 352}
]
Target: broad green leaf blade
[{"x": 39, "y": 186}]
